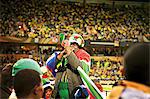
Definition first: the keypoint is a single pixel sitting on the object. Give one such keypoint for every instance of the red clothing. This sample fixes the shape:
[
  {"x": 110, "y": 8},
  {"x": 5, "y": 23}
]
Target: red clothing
[{"x": 82, "y": 55}]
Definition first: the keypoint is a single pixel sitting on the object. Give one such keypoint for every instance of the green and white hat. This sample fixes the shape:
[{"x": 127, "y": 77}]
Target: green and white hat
[
  {"x": 76, "y": 38},
  {"x": 25, "y": 64}
]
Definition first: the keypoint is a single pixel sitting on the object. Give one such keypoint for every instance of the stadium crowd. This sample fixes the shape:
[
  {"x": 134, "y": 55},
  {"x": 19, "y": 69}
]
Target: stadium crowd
[
  {"x": 93, "y": 21},
  {"x": 106, "y": 69},
  {"x": 106, "y": 51}
]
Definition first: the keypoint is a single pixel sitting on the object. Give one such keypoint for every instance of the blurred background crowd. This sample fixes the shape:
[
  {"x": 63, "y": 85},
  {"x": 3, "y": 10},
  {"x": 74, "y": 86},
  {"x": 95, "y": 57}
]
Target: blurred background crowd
[
  {"x": 103, "y": 22},
  {"x": 106, "y": 69}
]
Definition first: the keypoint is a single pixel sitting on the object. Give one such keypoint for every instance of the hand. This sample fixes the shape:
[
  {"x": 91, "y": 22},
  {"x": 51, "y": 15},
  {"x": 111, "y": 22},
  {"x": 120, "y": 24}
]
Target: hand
[
  {"x": 60, "y": 55},
  {"x": 68, "y": 50},
  {"x": 65, "y": 43}
]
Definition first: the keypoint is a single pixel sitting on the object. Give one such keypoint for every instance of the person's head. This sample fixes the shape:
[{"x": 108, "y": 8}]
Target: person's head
[
  {"x": 136, "y": 63},
  {"x": 76, "y": 41},
  {"x": 25, "y": 64},
  {"x": 27, "y": 84},
  {"x": 48, "y": 88}
]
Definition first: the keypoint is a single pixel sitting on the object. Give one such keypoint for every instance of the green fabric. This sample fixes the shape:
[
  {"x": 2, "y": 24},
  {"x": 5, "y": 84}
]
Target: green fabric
[
  {"x": 45, "y": 80},
  {"x": 25, "y": 64},
  {"x": 59, "y": 63},
  {"x": 63, "y": 90},
  {"x": 85, "y": 78},
  {"x": 85, "y": 67},
  {"x": 62, "y": 37}
]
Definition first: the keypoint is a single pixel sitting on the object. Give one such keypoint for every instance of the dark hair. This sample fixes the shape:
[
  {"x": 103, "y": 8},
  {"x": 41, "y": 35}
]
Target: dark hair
[
  {"x": 78, "y": 45},
  {"x": 136, "y": 63},
  {"x": 25, "y": 81},
  {"x": 45, "y": 89}
]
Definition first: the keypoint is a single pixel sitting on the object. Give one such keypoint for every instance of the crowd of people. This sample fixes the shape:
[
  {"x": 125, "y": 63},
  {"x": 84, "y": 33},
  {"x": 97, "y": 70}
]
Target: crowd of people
[
  {"x": 107, "y": 70},
  {"x": 95, "y": 22},
  {"x": 133, "y": 76},
  {"x": 107, "y": 51},
  {"x": 7, "y": 59}
]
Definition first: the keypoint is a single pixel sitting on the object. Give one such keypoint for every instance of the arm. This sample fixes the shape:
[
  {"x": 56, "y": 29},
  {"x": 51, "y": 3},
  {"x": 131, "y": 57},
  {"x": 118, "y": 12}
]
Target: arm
[
  {"x": 73, "y": 60},
  {"x": 52, "y": 62},
  {"x": 81, "y": 59}
]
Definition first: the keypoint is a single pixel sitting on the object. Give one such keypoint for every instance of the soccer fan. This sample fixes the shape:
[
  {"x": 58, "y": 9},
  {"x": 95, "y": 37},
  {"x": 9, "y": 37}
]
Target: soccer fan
[
  {"x": 64, "y": 66},
  {"x": 136, "y": 70},
  {"x": 28, "y": 84}
]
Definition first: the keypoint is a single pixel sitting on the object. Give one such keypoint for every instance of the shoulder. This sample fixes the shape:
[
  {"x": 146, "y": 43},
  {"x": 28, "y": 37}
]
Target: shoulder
[
  {"x": 134, "y": 94},
  {"x": 83, "y": 55},
  {"x": 116, "y": 92},
  {"x": 83, "y": 52}
]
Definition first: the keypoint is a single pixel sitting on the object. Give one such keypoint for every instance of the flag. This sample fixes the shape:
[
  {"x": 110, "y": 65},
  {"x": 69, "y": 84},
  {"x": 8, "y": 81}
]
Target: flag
[
  {"x": 51, "y": 63},
  {"x": 84, "y": 57},
  {"x": 89, "y": 84}
]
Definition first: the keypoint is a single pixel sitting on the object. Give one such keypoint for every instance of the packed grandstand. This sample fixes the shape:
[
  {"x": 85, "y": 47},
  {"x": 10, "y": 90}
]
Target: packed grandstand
[{"x": 43, "y": 21}]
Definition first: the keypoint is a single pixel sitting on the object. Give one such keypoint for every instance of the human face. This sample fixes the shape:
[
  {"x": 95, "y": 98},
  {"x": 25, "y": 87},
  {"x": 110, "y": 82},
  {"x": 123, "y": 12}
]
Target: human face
[
  {"x": 75, "y": 46},
  {"x": 48, "y": 93},
  {"x": 39, "y": 91}
]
